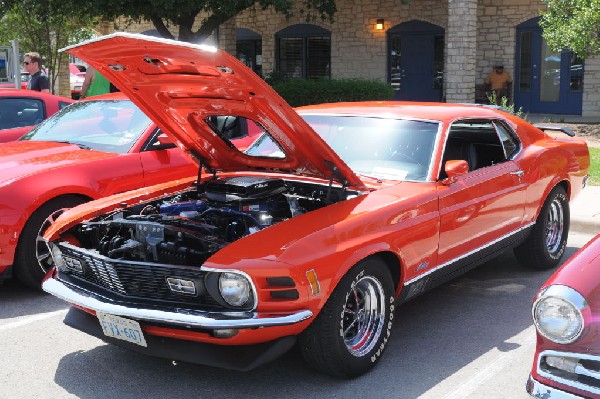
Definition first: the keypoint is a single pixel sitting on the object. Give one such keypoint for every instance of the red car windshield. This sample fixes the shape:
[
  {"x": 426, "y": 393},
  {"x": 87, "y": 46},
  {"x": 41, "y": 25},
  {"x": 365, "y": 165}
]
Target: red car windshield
[
  {"x": 385, "y": 148},
  {"x": 111, "y": 126}
]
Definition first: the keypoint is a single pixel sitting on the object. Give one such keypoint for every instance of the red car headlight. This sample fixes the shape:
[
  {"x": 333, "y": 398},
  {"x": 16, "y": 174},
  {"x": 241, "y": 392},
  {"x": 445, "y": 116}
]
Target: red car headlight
[{"x": 234, "y": 288}]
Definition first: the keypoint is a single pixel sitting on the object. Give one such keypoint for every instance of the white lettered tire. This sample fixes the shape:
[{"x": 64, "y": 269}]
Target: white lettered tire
[{"x": 352, "y": 330}]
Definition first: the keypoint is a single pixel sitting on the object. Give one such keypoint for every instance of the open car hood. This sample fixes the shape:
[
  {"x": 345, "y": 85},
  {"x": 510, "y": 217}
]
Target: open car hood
[{"x": 179, "y": 85}]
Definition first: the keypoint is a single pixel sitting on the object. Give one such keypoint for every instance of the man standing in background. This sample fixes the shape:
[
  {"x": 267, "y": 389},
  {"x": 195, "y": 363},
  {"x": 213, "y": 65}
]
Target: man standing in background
[
  {"x": 39, "y": 81},
  {"x": 499, "y": 80}
]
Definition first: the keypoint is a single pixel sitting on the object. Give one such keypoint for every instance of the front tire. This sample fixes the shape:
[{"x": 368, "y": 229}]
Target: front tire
[
  {"x": 32, "y": 257},
  {"x": 547, "y": 241},
  {"x": 351, "y": 332}
]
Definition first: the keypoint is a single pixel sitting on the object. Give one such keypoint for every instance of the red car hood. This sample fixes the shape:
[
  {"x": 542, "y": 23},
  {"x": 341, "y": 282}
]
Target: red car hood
[
  {"x": 22, "y": 158},
  {"x": 179, "y": 85}
]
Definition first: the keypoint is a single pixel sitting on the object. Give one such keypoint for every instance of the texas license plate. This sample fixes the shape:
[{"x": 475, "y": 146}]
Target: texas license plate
[{"x": 121, "y": 328}]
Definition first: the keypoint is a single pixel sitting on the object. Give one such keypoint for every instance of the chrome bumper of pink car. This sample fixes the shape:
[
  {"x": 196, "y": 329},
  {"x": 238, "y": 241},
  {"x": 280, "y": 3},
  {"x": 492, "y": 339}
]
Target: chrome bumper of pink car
[
  {"x": 539, "y": 390},
  {"x": 174, "y": 317}
]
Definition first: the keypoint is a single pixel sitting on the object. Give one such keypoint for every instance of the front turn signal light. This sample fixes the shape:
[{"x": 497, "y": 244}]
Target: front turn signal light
[{"x": 311, "y": 275}]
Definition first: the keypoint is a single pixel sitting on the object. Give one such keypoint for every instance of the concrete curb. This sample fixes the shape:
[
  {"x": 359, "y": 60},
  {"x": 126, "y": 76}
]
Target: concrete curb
[
  {"x": 585, "y": 211},
  {"x": 584, "y": 227}
]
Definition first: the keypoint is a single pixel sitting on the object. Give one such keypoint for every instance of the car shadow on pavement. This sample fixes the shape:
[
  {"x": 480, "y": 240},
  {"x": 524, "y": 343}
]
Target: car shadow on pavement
[
  {"x": 16, "y": 300},
  {"x": 435, "y": 335}
]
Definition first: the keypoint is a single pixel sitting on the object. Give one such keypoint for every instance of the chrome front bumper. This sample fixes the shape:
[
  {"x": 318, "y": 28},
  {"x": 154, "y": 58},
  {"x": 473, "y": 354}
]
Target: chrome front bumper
[
  {"x": 539, "y": 390},
  {"x": 175, "y": 316}
]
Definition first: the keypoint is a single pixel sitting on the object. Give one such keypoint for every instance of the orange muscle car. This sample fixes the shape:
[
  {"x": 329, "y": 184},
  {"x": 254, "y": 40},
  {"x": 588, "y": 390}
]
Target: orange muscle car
[{"x": 313, "y": 234}]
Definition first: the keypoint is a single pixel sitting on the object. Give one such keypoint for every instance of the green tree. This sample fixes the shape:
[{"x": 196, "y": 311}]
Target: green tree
[
  {"x": 44, "y": 26},
  {"x": 572, "y": 24},
  {"x": 183, "y": 14}
]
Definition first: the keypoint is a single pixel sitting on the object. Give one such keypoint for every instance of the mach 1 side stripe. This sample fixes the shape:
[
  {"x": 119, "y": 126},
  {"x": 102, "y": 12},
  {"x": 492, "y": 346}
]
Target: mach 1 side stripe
[{"x": 453, "y": 261}]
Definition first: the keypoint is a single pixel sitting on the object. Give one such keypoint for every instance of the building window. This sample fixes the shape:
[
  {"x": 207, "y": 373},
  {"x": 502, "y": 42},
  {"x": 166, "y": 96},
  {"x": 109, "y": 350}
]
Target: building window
[
  {"x": 249, "y": 49},
  {"x": 304, "y": 51}
]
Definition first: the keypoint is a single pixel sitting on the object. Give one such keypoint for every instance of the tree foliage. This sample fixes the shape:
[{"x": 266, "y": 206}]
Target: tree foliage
[
  {"x": 182, "y": 14},
  {"x": 43, "y": 26},
  {"x": 572, "y": 24}
]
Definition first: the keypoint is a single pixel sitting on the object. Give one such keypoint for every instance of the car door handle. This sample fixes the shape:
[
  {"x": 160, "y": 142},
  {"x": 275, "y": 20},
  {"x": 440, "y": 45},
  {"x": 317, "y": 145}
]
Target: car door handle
[{"x": 517, "y": 173}]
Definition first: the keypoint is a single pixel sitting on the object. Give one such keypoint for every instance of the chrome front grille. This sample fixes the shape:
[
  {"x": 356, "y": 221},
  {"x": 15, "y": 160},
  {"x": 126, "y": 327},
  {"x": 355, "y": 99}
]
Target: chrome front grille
[
  {"x": 139, "y": 279},
  {"x": 581, "y": 371}
]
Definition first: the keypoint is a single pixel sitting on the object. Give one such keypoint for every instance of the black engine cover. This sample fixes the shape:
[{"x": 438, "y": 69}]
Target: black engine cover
[{"x": 243, "y": 188}]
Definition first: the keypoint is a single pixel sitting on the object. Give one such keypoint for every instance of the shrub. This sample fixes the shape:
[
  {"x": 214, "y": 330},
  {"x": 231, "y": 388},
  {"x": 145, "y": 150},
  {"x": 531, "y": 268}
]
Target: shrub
[
  {"x": 299, "y": 92},
  {"x": 505, "y": 105}
]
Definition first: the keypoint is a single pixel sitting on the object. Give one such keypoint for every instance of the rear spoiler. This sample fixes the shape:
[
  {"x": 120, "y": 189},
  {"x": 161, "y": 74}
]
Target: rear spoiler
[{"x": 565, "y": 130}]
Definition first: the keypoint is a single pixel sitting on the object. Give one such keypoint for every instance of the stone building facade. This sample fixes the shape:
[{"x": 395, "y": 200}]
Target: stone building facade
[{"x": 476, "y": 35}]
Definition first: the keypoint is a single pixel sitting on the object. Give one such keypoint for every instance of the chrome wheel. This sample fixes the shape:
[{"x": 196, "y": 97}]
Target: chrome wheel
[
  {"x": 42, "y": 253},
  {"x": 363, "y": 315},
  {"x": 32, "y": 257},
  {"x": 545, "y": 245},
  {"x": 554, "y": 226},
  {"x": 351, "y": 332}
]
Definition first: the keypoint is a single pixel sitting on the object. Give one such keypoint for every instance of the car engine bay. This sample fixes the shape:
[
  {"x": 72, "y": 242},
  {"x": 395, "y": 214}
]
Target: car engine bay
[{"x": 189, "y": 227}]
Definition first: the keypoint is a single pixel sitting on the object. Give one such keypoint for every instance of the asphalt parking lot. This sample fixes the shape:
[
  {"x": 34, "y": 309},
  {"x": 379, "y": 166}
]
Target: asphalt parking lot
[{"x": 470, "y": 338}]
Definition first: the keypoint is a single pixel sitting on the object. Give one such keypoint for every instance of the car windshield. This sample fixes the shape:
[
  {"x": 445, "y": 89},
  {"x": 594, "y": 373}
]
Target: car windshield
[
  {"x": 383, "y": 148},
  {"x": 111, "y": 126}
]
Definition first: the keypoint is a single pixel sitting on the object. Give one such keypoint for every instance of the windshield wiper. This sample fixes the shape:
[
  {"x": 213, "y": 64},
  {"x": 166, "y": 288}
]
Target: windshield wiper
[
  {"x": 82, "y": 146},
  {"x": 359, "y": 174}
]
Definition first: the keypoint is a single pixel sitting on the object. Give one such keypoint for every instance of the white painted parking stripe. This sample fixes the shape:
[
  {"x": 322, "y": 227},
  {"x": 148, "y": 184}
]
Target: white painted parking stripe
[
  {"x": 464, "y": 383},
  {"x": 31, "y": 319}
]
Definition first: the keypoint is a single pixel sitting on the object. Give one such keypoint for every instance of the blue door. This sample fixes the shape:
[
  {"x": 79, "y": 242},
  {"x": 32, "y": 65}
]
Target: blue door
[
  {"x": 546, "y": 81},
  {"x": 416, "y": 61}
]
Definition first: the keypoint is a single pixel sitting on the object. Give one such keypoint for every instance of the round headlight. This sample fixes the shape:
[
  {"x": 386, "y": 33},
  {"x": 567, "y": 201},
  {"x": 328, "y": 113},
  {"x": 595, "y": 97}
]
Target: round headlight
[
  {"x": 234, "y": 288},
  {"x": 557, "y": 314}
]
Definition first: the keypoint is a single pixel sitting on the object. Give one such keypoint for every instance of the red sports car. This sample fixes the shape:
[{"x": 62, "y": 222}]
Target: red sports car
[
  {"x": 89, "y": 150},
  {"x": 20, "y": 110},
  {"x": 334, "y": 216},
  {"x": 566, "y": 315}
]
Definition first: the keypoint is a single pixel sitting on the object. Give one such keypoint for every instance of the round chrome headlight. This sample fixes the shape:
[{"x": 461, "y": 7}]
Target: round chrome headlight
[
  {"x": 234, "y": 288},
  {"x": 558, "y": 314}
]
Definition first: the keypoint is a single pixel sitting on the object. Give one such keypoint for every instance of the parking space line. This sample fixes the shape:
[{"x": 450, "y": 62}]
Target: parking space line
[
  {"x": 464, "y": 382},
  {"x": 32, "y": 319}
]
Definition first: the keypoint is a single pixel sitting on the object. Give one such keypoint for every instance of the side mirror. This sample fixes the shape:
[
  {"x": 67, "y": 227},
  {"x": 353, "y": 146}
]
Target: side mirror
[
  {"x": 454, "y": 169},
  {"x": 163, "y": 142}
]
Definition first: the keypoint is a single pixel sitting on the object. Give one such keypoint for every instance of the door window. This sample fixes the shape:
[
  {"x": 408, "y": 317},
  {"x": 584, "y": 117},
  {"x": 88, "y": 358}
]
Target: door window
[
  {"x": 549, "y": 74},
  {"x": 438, "y": 62},
  {"x": 576, "y": 73},
  {"x": 20, "y": 112},
  {"x": 525, "y": 64},
  {"x": 479, "y": 143},
  {"x": 510, "y": 142}
]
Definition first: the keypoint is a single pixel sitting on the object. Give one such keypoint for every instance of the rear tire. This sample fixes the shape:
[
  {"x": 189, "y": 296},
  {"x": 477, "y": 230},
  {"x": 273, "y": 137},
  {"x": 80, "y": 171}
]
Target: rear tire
[
  {"x": 351, "y": 332},
  {"x": 548, "y": 239},
  {"x": 32, "y": 257}
]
